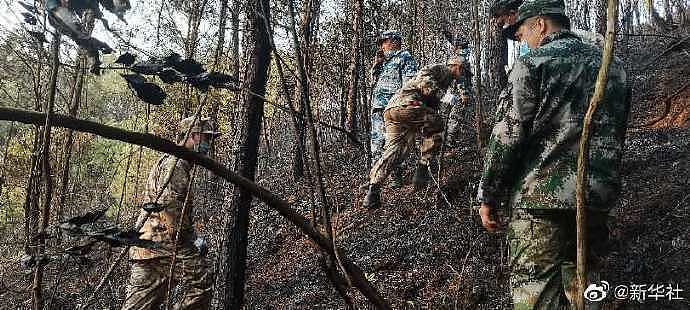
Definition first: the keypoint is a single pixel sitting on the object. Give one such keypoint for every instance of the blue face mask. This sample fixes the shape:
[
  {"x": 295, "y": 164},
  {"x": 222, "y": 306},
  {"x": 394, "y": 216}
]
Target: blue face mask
[
  {"x": 523, "y": 49},
  {"x": 203, "y": 147}
]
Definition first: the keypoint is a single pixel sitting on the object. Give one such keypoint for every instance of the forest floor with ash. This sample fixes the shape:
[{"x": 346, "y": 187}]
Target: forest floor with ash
[{"x": 421, "y": 252}]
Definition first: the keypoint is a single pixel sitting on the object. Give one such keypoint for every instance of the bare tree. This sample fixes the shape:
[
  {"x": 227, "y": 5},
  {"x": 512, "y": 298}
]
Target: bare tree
[
  {"x": 236, "y": 231},
  {"x": 355, "y": 66},
  {"x": 37, "y": 288}
]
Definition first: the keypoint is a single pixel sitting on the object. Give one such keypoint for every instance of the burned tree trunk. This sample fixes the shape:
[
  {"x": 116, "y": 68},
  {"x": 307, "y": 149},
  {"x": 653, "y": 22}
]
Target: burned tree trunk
[
  {"x": 236, "y": 232},
  {"x": 479, "y": 119},
  {"x": 235, "y": 28},
  {"x": 355, "y": 66},
  {"x": 497, "y": 57}
]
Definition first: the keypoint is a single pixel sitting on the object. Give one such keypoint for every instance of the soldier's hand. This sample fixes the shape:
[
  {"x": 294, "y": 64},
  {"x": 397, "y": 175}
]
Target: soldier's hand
[
  {"x": 464, "y": 98},
  {"x": 488, "y": 218}
]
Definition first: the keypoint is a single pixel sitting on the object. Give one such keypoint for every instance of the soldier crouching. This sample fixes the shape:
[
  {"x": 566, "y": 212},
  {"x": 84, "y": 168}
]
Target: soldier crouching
[{"x": 413, "y": 108}]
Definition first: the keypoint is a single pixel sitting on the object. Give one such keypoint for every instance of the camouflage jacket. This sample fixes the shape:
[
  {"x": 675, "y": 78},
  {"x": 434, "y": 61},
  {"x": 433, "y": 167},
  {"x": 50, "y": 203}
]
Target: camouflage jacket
[
  {"x": 531, "y": 157},
  {"x": 426, "y": 88},
  {"x": 391, "y": 74},
  {"x": 162, "y": 226}
]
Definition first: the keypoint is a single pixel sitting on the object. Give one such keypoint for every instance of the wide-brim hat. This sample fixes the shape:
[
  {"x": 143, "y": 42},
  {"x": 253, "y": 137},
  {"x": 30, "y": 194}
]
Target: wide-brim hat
[{"x": 531, "y": 8}]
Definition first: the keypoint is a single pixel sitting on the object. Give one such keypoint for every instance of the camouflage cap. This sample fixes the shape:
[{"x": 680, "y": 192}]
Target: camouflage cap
[
  {"x": 531, "y": 8},
  {"x": 459, "y": 60},
  {"x": 202, "y": 125},
  {"x": 389, "y": 34}
]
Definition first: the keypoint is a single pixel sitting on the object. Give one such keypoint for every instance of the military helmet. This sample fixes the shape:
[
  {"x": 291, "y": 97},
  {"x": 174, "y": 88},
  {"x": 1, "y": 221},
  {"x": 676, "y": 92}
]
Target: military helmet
[
  {"x": 531, "y": 8},
  {"x": 389, "y": 34},
  {"x": 202, "y": 125}
]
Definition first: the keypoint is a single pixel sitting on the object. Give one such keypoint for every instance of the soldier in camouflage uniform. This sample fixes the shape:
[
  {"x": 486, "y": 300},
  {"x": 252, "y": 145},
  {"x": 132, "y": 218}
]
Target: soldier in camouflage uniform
[
  {"x": 531, "y": 159},
  {"x": 413, "y": 109},
  {"x": 148, "y": 282},
  {"x": 392, "y": 67}
]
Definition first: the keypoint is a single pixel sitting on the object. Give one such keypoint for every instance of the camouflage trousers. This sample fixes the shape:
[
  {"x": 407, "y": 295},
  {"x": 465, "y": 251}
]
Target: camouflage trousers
[
  {"x": 402, "y": 125},
  {"x": 542, "y": 245},
  {"x": 148, "y": 283},
  {"x": 378, "y": 138}
]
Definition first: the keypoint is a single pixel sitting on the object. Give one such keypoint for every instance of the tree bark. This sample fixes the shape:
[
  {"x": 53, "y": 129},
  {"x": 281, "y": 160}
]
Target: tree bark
[
  {"x": 235, "y": 17},
  {"x": 355, "y": 65},
  {"x": 237, "y": 233},
  {"x": 479, "y": 119},
  {"x": 497, "y": 57}
]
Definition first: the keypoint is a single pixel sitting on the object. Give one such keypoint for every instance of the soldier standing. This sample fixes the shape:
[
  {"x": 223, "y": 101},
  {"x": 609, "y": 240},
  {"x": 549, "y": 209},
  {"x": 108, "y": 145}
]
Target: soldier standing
[
  {"x": 150, "y": 267},
  {"x": 413, "y": 108},
  {"x": 531, "y": 158},
  {"x": 391, "y": 68}
]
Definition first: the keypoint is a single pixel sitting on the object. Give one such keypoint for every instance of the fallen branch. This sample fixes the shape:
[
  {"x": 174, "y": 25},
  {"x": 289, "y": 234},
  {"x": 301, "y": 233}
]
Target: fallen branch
[{"x": 156, "y": 143}]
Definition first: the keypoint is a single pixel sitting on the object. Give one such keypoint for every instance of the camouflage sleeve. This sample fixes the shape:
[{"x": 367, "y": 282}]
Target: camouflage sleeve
[
  {"x": 428, "y": 86},
  {"x": 409, "y": 68},
  {"x": 375, "y": 72},
  {"x": 514, "y": 116},
  {"x": 175, "y": 192}
]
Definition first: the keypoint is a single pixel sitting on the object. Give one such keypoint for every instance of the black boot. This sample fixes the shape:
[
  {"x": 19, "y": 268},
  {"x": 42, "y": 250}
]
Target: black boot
[
  {"x": 373, "y": 198},
  {"x": 421, "y": 176}
]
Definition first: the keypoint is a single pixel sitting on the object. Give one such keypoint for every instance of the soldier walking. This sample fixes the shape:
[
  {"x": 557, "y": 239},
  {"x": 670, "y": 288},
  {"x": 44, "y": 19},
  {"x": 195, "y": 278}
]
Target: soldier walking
[
  {"x": 391, "y": 68},
  {"x": 148, "y": 281},
  {"x": 413, "y": 109},
  {"x": 531, "y": 160}
]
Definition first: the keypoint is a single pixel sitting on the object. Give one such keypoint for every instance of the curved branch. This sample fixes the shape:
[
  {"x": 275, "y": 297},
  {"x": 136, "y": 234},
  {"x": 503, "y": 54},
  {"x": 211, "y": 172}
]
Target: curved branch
[{"x": 157, "y": 143}]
